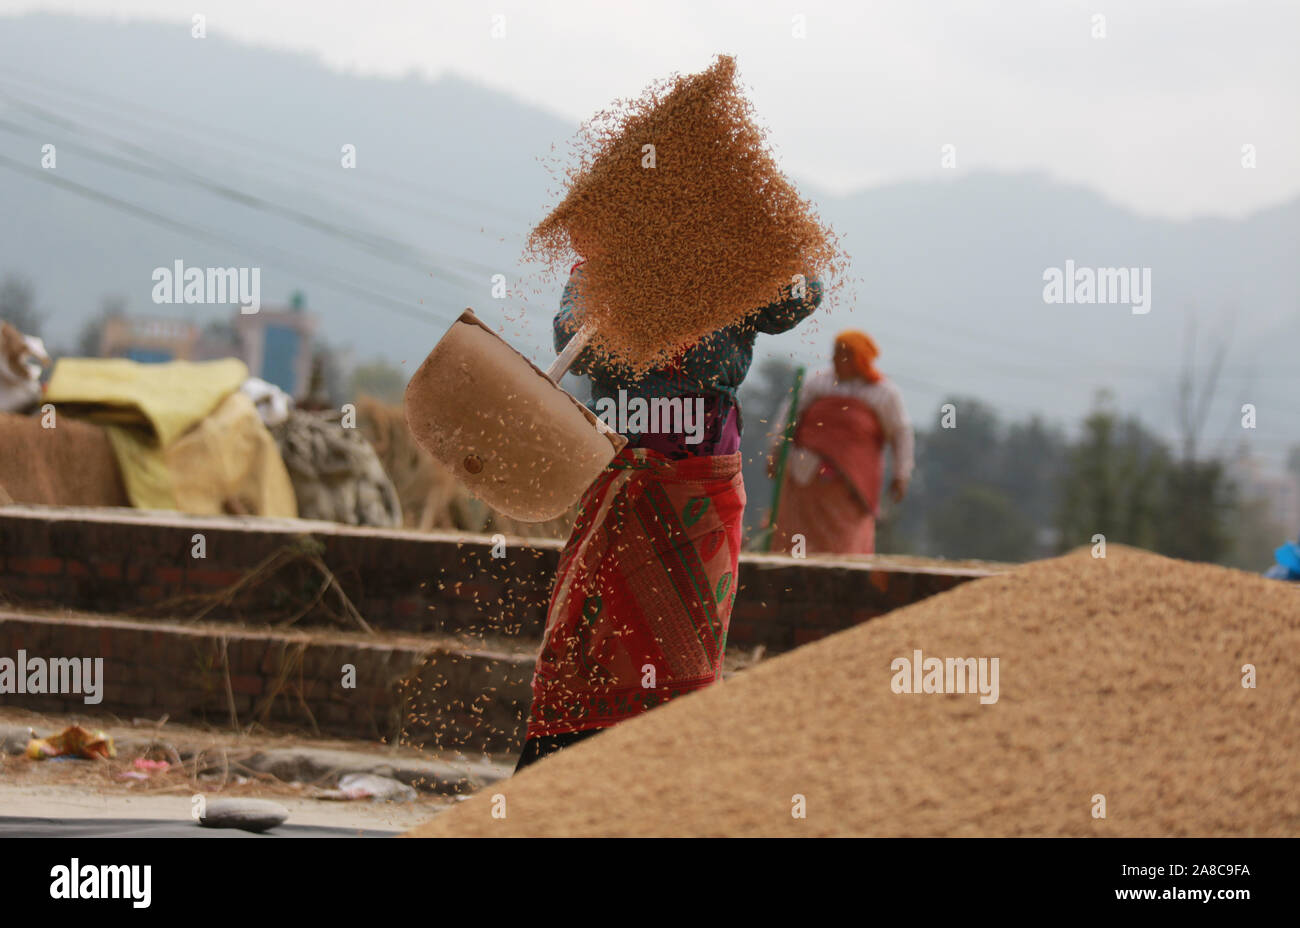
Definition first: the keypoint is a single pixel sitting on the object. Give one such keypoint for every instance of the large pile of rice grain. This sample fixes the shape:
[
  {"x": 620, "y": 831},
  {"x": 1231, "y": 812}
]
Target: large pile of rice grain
[
  {"x": 1119, "y": 676},
  {"x": 697, "y": 242}
]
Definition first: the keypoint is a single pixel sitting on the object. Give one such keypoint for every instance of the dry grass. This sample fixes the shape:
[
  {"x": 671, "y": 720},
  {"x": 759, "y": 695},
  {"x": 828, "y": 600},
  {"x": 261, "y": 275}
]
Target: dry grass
[{"x": 199, "y": 763}]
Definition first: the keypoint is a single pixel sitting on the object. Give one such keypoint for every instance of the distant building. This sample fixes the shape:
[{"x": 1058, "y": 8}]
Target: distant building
[
  {"x": 275, "y": 342},
  {"x": 148, "y": 339},
  {"x": 276, "y": 345}
]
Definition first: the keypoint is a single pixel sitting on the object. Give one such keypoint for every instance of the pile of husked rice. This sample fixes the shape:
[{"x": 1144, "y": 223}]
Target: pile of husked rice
[{"x": 1120, "y": 690}]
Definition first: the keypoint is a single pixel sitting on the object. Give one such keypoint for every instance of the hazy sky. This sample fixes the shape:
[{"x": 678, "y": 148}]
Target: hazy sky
[{"x": 1154, "y": 115}]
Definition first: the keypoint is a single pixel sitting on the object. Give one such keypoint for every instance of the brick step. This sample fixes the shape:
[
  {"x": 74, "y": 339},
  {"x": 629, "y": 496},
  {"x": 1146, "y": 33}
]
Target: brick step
[
  {"x": 440, "y": 693},
  {"x": 258, "y": 570},
  {"x": 133, "y": 562}
]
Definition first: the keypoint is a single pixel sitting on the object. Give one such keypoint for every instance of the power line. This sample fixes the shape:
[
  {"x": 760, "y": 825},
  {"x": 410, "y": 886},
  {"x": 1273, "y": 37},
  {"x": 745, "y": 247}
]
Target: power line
[
  {"x": 404, "y": 186},
  {"x": 394, "y": 305},
  {"x": 379, "y": 245},
  {"x": 382, "y": 246}
]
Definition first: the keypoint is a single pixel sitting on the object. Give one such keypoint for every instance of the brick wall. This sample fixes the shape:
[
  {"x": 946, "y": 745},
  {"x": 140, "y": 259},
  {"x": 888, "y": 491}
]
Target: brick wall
[
  {"x": 140, "y": 564},
  {"x": 283, "y": 679}
]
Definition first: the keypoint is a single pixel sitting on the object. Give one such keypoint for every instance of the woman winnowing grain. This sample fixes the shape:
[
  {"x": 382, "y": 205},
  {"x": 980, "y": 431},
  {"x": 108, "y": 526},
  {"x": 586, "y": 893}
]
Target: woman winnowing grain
[
  {"x": 643, "y": 595},
  {"x": 830, "y": 490}
]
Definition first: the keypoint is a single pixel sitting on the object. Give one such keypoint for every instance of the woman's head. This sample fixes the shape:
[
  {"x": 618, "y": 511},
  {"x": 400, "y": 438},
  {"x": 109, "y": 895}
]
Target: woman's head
[{"x": 855, "y": 354}]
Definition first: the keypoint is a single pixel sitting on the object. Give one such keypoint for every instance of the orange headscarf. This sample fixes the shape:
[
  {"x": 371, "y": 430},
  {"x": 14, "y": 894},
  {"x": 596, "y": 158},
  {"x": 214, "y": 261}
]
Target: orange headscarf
[{"x": 863, "y": 351}]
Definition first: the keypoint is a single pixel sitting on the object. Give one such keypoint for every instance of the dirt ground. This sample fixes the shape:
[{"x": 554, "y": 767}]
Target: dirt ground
[{"x": 211, "y": 764}]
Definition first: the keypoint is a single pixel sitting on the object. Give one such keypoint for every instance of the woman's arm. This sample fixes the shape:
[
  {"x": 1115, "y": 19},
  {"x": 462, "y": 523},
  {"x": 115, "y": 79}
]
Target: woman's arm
[
  {"x": 790, "y": 310},
  {"x": 898, "y": 432},
  {"x": 569, "y": 319},
  {"x": 777, "y": 317}
]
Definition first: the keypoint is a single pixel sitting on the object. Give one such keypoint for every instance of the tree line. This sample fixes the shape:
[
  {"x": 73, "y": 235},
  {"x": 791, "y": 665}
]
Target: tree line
[{"x": 995, "y": 489}]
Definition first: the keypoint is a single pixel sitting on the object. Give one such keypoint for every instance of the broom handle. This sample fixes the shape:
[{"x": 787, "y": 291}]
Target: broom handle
[
  {"x": 569, "y": 354},
  {"x": 787, "y": 436}
]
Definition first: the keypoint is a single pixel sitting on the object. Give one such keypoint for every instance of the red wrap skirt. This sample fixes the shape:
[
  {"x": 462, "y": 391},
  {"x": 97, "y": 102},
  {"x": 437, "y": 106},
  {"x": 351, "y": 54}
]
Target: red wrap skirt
[{"x": 643, "y": 595}]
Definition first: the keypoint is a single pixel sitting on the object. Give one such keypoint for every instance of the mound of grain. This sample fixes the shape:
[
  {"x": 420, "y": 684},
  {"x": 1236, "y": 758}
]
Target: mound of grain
[
  {"x": 1120, "y": 677},
  {"x": 694, "y": 243}
]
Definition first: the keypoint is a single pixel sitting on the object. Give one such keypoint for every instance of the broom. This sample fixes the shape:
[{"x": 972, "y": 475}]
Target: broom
[{"x": 787, "y": 437}]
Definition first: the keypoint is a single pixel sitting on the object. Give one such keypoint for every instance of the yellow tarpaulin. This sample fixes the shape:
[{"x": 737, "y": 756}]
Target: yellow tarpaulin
[
  {"x": 185, "y": 438},
  {"x": 168, "y": 399}
]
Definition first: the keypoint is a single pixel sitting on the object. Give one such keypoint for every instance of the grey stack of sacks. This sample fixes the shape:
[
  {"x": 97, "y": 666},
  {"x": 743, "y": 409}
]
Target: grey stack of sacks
[{"x": 336, "y": 474}]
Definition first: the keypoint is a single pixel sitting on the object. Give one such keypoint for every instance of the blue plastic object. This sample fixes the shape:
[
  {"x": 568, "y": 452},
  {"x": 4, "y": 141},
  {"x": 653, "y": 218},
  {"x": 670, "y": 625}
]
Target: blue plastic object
[{"x": 1288, "y": 562}]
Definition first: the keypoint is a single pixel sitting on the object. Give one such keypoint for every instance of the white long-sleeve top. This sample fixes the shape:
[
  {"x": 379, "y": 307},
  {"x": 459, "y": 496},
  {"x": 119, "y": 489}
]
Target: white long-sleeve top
[{"x": 882, "y": 397}]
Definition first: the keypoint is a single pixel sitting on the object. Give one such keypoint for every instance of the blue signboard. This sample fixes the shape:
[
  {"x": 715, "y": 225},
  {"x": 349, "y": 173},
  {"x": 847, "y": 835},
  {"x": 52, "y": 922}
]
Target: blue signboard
[
  {"x": 279, "y": 357},
  {"x": 149, "y": 355}
]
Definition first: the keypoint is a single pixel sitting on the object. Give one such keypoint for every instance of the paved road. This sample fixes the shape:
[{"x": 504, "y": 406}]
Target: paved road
[{"x": 27, "y": 806}]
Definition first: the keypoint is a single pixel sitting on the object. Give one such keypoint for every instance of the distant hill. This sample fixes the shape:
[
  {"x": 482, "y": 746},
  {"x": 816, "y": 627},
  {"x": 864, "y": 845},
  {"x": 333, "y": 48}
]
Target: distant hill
[{"x": 450, "y": 175}]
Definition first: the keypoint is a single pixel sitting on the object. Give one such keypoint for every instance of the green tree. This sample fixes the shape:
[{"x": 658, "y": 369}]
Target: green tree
[
  {"x": 90, "y": 338},
  {"x": 1030, "y": 460},
  {"x": 979, "y": 521},
  {"x": 1200, "y": 505},
  {"x": 18, "y": 305},
  {"x": 964, "y": 453},
  {"x": 981, "y": 489},
  {"x": 1114, "y": 483},
  {"x": 959, "y": 453}
]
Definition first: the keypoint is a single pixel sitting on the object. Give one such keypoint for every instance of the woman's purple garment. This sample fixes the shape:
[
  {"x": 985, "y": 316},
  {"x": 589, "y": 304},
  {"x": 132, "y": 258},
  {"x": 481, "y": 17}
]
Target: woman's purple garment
[
  {"x": 721, "y": 433},
  {"x": 713, "y": 368}
]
